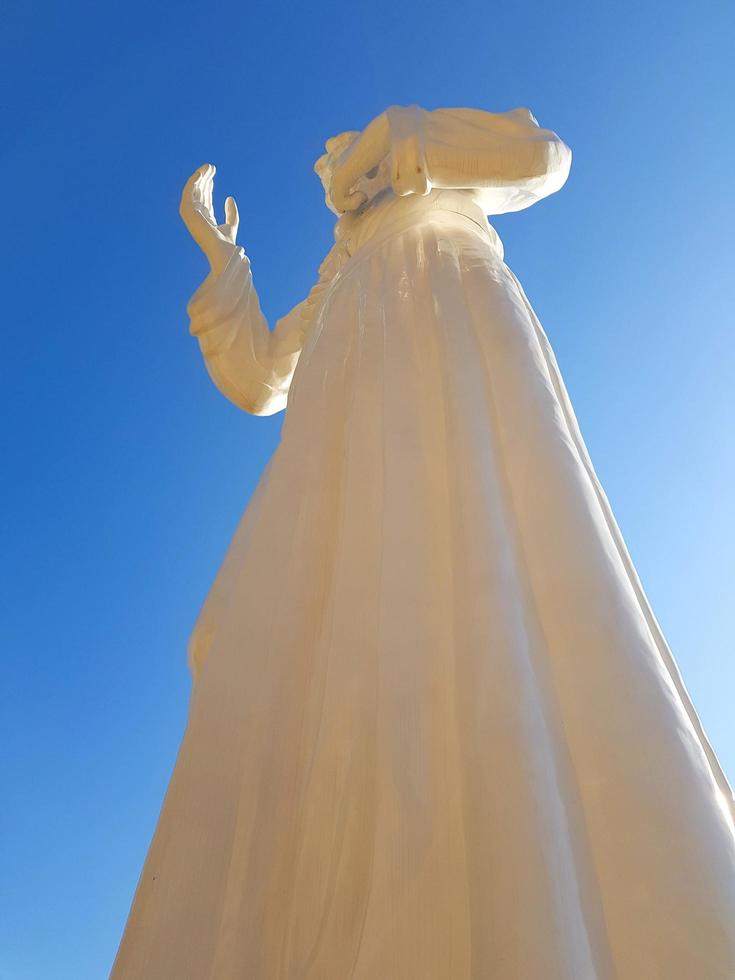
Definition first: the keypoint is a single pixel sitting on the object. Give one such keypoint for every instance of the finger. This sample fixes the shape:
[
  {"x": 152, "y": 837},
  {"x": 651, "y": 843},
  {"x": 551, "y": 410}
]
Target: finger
[
  {"x": 191, "y": 183},
  {"x": 232, "y": 216},
  {"x": 197, "y": 195},
  {"x": 351, "y": 202},
  {"x": 200, "y": 187},
  {"x": 204, "y": 171},
  {"x": 209, "y": 189},
  {"x": 190, "y": 192}
]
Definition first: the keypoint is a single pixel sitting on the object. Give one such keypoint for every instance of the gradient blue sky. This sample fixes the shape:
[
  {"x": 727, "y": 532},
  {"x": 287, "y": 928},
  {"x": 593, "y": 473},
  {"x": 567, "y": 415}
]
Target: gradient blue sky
[{"x": 125, "y": 471}]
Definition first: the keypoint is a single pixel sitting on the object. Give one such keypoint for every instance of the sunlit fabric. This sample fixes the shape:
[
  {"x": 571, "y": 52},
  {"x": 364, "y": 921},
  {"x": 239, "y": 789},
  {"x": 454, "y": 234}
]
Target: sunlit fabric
[{"x": 435, "y": 731}]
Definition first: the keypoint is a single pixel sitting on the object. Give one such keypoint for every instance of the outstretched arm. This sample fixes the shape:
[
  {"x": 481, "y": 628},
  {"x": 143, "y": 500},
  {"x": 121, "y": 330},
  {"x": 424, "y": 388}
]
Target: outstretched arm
[
  {"x": 250, "y": 364},
  {"x": 506, "y": 158}
]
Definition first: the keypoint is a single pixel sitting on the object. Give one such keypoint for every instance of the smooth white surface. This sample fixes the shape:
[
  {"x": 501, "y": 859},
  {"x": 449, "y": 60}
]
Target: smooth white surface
[{"x": 435, "y": 731}]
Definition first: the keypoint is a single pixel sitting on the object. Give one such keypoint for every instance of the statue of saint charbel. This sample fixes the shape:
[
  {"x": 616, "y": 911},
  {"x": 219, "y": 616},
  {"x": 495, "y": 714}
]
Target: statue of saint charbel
[{"x": 435, "y": 730}]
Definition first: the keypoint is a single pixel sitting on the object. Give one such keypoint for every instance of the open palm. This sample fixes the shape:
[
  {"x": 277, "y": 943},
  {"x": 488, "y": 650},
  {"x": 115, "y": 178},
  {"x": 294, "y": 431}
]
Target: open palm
[{"x": 215, "y": 240}]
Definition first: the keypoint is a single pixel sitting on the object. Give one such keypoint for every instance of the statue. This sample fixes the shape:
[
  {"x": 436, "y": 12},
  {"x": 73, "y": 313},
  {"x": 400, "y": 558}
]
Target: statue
[{"x": 435, "y": 731}]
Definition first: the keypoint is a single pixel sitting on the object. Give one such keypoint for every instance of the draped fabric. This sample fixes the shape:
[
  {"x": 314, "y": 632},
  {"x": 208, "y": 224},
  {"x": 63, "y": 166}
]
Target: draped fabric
[{"x": 435, "y": 731}]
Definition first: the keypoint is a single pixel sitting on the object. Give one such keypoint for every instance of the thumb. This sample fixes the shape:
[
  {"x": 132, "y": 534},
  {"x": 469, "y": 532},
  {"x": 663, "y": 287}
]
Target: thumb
[{"x": 232, "y": 216}]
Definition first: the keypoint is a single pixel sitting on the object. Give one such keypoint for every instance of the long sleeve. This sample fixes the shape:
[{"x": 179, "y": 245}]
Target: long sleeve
[
  {"x": 250, "y": 364},
  {"x": 506, "y": 158}
]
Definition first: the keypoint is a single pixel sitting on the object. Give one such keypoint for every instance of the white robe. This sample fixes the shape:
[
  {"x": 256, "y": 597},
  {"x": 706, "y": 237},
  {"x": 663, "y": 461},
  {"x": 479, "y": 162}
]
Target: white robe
[{"x": 435, "y": 730}]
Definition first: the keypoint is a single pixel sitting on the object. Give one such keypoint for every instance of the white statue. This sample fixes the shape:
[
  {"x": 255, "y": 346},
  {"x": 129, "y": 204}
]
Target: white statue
[{"x": 435, "y": 730}]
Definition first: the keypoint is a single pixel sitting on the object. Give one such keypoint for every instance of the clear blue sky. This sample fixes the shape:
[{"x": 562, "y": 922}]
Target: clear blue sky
[{"x": 125, "y": 471}]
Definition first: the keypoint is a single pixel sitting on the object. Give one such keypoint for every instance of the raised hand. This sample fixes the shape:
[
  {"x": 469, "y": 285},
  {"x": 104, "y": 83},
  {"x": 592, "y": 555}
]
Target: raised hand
[{"x": 218, "y": 242}]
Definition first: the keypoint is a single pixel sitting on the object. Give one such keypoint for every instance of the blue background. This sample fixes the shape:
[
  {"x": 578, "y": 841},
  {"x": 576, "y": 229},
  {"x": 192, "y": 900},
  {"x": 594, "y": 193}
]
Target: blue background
[{"x": 125, "y": 471}]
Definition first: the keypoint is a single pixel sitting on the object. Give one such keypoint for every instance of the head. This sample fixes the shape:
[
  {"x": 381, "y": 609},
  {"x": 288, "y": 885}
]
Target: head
[{"x": 336, "y": 147}]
